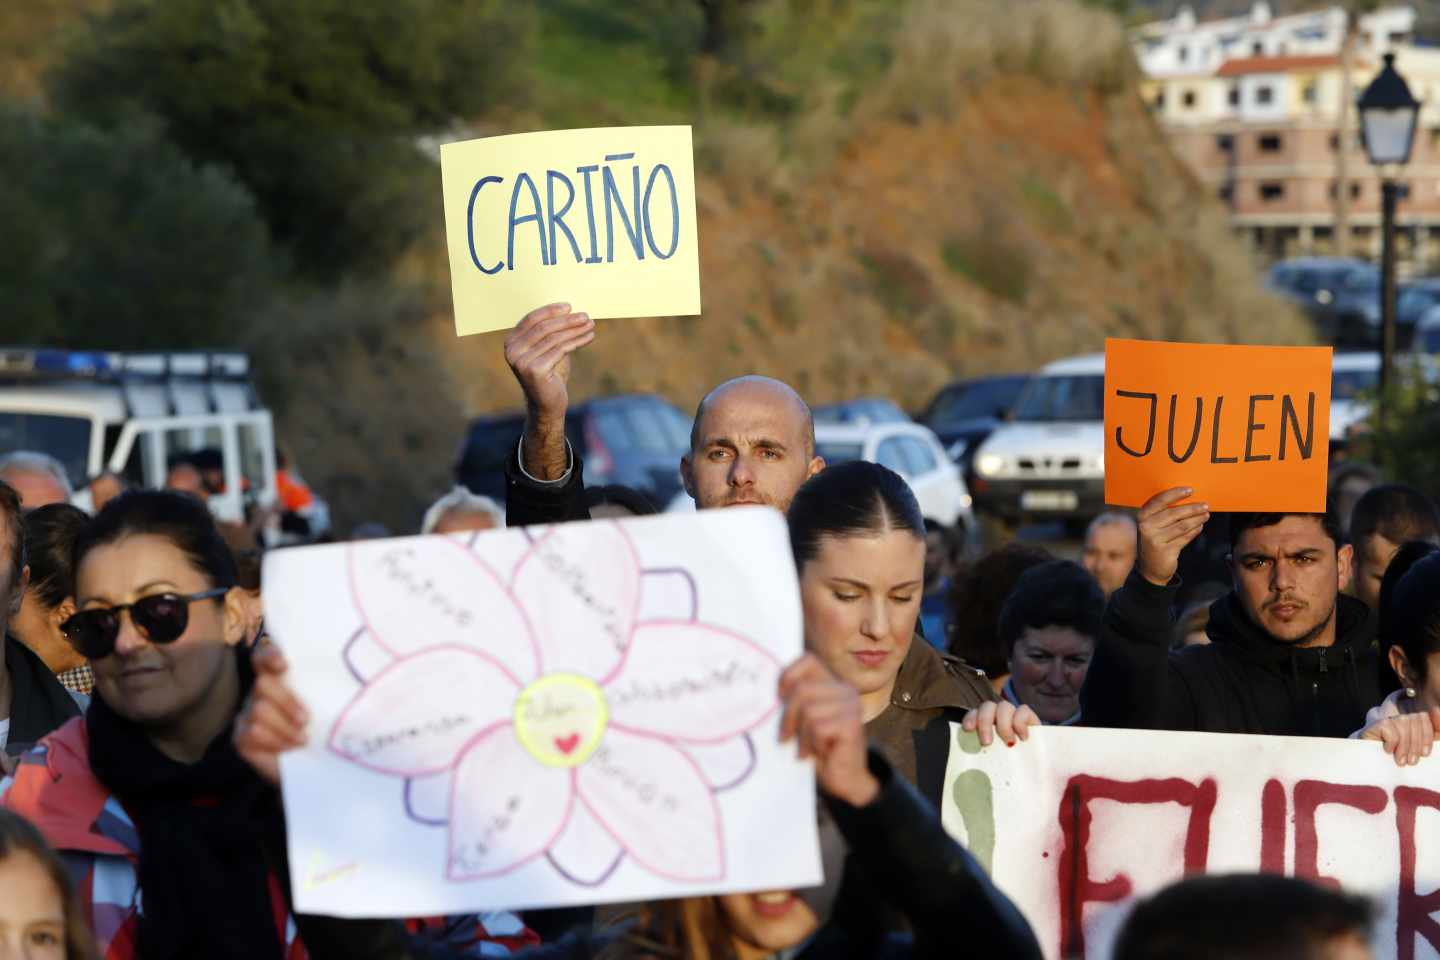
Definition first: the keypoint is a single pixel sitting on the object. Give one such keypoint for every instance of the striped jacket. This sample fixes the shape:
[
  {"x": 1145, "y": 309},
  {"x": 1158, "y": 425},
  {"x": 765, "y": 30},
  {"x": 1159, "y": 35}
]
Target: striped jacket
[{"x": 54, "y": 788}]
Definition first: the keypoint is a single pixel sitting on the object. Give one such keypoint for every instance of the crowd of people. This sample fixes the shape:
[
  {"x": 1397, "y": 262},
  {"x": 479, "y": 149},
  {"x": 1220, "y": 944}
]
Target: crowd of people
[{"x": 144, "y": 708}]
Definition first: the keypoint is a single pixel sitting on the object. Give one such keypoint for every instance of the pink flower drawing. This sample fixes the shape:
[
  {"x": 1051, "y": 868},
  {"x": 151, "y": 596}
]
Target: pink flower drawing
[{"x": 561, "y": 722}]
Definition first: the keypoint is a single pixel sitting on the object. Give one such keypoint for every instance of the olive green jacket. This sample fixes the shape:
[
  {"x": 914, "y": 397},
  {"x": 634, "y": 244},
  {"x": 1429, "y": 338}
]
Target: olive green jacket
[{"x": 931, "y": 691}]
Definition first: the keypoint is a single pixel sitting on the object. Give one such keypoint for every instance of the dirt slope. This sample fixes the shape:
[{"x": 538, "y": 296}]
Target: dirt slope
[{"x": 1028, "y": 224}]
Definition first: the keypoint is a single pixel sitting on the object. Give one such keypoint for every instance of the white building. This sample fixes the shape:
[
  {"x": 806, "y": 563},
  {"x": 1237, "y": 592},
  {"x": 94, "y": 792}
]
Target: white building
[
  {"x": 1182, "y": 46},
  {"x": 1253, "y": 105}
]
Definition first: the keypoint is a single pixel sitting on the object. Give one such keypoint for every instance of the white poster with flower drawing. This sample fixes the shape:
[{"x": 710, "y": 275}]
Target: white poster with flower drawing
[{"x": 584, "y": 713}]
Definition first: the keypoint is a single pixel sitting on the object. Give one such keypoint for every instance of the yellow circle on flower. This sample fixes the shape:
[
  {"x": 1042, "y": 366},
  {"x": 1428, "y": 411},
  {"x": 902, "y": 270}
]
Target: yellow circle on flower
[{"x": 560, "y": 718}]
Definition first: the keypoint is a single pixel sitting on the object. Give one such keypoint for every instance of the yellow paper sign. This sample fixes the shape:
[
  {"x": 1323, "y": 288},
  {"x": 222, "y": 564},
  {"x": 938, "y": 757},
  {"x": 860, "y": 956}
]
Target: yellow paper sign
[{"x": 602, "y": 219}]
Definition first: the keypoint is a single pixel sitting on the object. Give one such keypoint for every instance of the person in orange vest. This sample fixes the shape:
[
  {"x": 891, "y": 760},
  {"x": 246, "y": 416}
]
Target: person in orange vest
[{"x": 294, "y": 495}]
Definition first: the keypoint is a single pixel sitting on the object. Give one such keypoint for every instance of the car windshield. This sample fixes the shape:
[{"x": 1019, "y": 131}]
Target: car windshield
[
  {"x": 839, "y": 452},
  {"x": 1348, "y": 384},
  {"x": 67, "y": 439},
  {"x": 1416, "y": 300},
  {"x": 643, "y": 426},
  {"x": 1063, "y": 398},
  {"x": 977, "y": 399}
]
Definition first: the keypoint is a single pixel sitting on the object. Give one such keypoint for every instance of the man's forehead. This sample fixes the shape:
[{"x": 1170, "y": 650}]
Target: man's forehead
[
  {"x": 750, "y": 413},
  {"x": 1291, "y": 535},
  {"x": 23, "y": 477},
  {"x": 1113, "y": 533}
]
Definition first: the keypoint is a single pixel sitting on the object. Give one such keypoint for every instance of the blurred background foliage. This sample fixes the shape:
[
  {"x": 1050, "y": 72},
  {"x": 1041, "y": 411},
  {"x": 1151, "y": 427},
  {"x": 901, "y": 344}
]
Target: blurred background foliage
[{"x": 891, "y": 193}]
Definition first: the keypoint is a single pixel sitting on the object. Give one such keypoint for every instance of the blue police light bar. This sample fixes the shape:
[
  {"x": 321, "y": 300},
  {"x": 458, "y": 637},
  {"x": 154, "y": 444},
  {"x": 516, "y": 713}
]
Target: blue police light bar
[
  {"x": 50, "y": 364},
  {"x": 56, "y": 363},
  {"x": 80, "y": 363}
]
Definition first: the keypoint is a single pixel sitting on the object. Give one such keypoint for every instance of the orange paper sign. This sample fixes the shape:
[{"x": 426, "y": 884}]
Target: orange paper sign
[{"x": 1247, "y": 427}]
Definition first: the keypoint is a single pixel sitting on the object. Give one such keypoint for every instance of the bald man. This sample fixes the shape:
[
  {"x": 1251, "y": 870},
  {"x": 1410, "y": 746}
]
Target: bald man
[
  {"x": 1111, "y": 543},
  {"x": 39, "y": 478},
  {"x": 753, "y": 441}
]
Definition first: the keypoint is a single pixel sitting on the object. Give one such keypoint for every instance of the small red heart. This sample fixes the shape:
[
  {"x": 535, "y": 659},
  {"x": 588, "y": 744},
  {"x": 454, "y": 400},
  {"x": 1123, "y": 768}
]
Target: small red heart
[{"x": 567, "y": 745}]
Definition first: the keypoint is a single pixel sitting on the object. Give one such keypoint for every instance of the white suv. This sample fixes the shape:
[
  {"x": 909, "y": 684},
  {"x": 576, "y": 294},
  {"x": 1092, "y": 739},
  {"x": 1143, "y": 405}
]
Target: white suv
[
  {"x": 1048, "y": 459},
  {"x": 911, "y": 451},
  {"x": 130, "y": 413}
]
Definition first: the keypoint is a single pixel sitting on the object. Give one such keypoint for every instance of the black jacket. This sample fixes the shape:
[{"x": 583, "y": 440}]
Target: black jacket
[
  {"x": 38, "y": 703},
  {"x": 1242, "y": 682},
  {"x": 528, "y": 503},
  {"x": 897, "y": 840}
]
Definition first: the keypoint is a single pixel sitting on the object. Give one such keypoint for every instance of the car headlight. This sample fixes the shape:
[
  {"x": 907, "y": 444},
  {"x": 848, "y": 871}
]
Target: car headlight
[{"x": 989, "y": 464}]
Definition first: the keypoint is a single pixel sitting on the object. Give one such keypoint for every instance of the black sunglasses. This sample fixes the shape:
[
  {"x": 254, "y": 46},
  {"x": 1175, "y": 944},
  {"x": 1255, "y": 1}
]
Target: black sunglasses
[{"x": 162, "y": 618}]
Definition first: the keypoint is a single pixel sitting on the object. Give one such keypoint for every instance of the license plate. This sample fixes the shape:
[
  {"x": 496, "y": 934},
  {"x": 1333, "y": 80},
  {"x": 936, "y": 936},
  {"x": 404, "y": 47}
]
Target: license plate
[{"x": 1049, "y": 500}]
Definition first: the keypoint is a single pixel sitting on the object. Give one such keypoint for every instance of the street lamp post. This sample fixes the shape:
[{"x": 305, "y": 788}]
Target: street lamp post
[{"x": 1388, "y": 113}]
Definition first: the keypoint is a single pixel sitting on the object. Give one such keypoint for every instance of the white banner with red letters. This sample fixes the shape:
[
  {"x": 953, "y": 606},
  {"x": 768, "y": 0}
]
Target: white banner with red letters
[{"x": 1074, "y": 822}]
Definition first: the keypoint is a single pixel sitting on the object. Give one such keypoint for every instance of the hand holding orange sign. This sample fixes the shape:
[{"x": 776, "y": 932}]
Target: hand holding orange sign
[{"x": 1247, "y": 428}]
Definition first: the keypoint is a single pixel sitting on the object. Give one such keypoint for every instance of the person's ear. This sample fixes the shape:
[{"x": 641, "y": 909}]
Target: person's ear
[
  {"x": 1345, "y": 566},
  {"x": 817, "y": 463},
  {"x": 237, "y": 617},
  {"x": 1401, "y": 665},
  {"x": 60, "y": 614},
  {"x": 687, "y": 475}
]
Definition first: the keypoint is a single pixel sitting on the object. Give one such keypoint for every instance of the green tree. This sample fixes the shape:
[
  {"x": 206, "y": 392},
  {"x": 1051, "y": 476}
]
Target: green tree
[
  {"x": 317, "y": 107},
  {"x": 115, "y": 239}
]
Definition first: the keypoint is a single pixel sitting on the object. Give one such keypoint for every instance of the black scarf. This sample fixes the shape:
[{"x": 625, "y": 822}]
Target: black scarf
[{"x": 204, "y": 883}]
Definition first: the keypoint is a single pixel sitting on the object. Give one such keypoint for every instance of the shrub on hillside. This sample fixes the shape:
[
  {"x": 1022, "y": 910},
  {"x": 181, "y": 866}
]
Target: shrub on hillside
[
  {"x": 114, "y": 239},
  {"x": 316, "y": 106}
]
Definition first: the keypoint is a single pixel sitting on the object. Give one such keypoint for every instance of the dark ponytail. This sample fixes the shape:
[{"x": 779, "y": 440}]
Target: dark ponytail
[
  {"x": 856, "y": 498},
  {"x": 50, "y": 533},
  {"x": 1410, "y": 607}
]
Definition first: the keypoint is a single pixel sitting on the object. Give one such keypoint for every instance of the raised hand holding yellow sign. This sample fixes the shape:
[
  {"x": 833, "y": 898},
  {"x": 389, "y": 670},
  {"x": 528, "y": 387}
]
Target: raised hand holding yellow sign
[{"x": 603, "y": 217}]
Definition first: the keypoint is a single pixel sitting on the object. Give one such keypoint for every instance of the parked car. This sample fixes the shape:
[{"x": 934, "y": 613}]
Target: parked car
[
  {"x": 633, "y": 439},
  {"x": 1427, "y": 333},
  {"x": 1355, "y": 380},
  {"x": 1048, "y": 460},
  {"x": 1356, "y": 377},
  {"x": 913, "y": 452},
  {"x": 965, "y": 412},
  {"x": 1413, "y": 302},
  {"x": 862, "y": 410},
  {"x": 1340, "y": 295}
]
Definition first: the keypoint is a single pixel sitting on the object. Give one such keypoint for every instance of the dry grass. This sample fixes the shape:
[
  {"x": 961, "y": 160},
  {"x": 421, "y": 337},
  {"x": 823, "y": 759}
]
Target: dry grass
[{"x": 946, "y": 50}]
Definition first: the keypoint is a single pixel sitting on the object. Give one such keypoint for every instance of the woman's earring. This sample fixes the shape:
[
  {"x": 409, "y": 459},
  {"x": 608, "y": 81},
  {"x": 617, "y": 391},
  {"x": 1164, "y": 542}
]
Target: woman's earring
[{"x": 1410, "y": 692}]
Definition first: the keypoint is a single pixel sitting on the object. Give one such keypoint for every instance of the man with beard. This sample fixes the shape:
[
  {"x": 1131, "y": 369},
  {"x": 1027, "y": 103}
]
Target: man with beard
[
  {"x": 1289, "y": 654},
  {"x": 753, "y": 441}
]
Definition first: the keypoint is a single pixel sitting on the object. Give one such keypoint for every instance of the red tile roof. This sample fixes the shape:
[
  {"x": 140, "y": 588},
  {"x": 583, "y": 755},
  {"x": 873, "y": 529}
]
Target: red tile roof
[{"x": 1246, "y": 65}]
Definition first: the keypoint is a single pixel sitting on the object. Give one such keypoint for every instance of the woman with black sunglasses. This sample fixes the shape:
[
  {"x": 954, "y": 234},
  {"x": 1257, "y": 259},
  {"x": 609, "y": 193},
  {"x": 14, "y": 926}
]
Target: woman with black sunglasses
[
  {"x": 147, "y": 790},
  {"x": 145, "y": 795}
]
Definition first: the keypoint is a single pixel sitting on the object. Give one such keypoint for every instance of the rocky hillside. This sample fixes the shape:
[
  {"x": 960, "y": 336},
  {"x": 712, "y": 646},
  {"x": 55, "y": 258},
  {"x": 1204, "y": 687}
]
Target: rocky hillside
[
  {"x": 891, "y": 193},
  {"x": 998, "y": 199}
]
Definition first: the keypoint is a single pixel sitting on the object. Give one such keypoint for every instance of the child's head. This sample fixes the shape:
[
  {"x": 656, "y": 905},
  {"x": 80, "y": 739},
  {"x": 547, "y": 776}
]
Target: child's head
[{"x": 39, "y": 916}]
